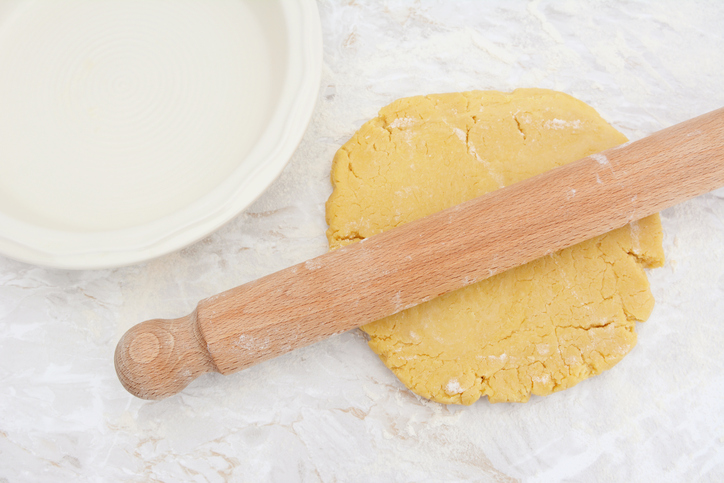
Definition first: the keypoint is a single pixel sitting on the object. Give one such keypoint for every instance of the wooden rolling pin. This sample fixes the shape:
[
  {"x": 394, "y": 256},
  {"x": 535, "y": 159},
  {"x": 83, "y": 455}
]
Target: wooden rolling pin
[{"x": 400, "y": 268}]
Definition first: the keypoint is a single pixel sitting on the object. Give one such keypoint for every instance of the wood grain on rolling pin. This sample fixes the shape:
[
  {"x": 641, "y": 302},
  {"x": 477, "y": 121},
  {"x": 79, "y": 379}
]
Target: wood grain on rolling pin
[{"x": 403, "y": 267}]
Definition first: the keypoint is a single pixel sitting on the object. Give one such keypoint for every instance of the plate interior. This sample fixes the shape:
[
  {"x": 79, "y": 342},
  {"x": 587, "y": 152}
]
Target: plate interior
[{"x": 118, "y": 113}]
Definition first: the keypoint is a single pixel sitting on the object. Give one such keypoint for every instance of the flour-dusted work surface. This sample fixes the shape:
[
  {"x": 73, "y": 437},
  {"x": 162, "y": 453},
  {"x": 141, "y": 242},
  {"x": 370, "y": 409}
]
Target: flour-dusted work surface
[{"x": 333, "y": 411}]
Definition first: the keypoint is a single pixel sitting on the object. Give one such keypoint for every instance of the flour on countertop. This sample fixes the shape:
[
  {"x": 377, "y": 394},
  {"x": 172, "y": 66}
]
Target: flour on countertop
[{"x": 334, "y": 408}]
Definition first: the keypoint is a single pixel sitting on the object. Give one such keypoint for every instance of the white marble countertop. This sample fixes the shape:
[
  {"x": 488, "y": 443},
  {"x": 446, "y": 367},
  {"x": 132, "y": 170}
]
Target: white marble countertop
[{"x": 333, "y": 412}]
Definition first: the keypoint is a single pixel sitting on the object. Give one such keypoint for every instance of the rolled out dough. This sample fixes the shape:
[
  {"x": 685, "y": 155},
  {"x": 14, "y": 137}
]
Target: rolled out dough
[{"x": 536, "y": 329}]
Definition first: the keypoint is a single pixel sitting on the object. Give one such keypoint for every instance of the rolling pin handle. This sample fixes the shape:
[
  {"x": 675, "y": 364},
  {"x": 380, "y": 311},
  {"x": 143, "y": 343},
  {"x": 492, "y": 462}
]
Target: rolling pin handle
[{"x": 158, "y": 358}]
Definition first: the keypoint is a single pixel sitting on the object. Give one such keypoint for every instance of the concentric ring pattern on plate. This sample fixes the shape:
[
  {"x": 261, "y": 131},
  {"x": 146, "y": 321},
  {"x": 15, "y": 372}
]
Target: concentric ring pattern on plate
[{"x": 131, "y": 128}]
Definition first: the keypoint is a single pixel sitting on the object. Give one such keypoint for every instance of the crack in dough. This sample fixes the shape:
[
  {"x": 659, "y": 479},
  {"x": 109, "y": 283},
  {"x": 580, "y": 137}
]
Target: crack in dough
[{"x": 536, "y": 329}]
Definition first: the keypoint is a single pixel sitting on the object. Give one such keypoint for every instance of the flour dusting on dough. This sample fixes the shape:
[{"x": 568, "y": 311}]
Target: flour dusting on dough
[
  {"x": 635, "y": 228},
  {"x": 401, "y": 122},
  {"x": 562, "y": 124},
  {"x": 453, "y": 387},
  {"x": 496, "y": 176},
  {"x": 461, "y": 135}
]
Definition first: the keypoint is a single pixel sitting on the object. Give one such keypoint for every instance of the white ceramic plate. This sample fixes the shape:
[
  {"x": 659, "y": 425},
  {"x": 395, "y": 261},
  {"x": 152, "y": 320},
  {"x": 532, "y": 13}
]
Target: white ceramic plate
[{"x": 132, "y": 128}]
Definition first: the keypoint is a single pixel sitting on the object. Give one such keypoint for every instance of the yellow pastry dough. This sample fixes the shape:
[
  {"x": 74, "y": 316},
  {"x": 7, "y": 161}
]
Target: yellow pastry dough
[{"x": 535, "y": 329}]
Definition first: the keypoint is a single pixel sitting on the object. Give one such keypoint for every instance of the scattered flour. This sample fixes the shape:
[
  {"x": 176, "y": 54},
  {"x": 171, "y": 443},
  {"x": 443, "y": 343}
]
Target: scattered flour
[
  {"x": 643, "y": 65},
  {"x": 561, "y": 124},
  {"x": 600, "y": 159},
  {"x": 453, "y": 387},
  {"x": 401, "y": 122}
]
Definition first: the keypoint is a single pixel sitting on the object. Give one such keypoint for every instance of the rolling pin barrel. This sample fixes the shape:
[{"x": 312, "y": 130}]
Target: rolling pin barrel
[{"x": 408, "y": 265}]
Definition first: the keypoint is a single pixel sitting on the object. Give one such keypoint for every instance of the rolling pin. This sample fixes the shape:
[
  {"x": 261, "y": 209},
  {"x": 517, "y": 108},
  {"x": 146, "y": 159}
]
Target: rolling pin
[{"x": 408, "y": 265}]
